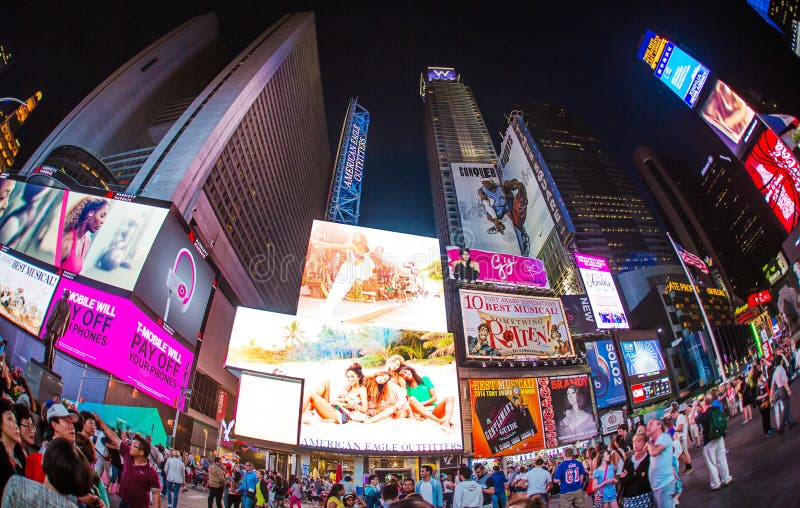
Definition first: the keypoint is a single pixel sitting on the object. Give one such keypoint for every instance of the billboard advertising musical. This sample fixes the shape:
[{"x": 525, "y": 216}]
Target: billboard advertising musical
[
  {"x": 25, "y": 292},
  {"x": 609, "y": 386},
  {"x": 111, "y": 333},
  {"x": 470, "y": 265},
  {"x": 513, "y": 416},
  {"x": 372, "y": 277},
  {"x": 92, "y": 236},
  {"x": 369, "y": 389},
  {"x": 499, "y": 325},
  {"x": 176, "y": 281},
  {"x": 602, "y": 292},
  {"x": 776, "y": 172},
  {"x": 506, "y": 417}
]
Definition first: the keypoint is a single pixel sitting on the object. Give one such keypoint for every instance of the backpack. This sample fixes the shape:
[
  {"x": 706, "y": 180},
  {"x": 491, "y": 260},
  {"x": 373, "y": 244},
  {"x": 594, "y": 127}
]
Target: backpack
[{"x": 717, "y": 424}]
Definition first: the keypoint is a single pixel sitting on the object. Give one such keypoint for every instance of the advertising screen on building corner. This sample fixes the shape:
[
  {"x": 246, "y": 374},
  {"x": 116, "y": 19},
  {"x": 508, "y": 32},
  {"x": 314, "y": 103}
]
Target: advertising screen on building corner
[
  {"x": 370, "y": 393},
  {"x": 776, "y": 173},
  {"x": 602, "y": 292},
  {"x": 607, "y": 377},
  {"x": 730, "y": 117},
  {"x": 268, "y": 408},
  {"x": 682, "y": 74},
  {"x": 111, "y": 333}
]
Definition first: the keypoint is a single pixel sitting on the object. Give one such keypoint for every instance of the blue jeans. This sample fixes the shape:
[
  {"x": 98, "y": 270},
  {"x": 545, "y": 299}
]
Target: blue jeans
[
  {"x": 247, "y": 502},
  {"x": 173, "y": 489},
  {"x": 664, "y": 497}
]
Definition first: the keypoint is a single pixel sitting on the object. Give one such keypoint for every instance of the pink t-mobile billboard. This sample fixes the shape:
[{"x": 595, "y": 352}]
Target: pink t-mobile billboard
[{"x": 111, "y": 333}]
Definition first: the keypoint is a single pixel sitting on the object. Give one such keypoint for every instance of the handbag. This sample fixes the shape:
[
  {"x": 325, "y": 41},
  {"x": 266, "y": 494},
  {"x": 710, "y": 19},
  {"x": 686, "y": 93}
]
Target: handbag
[{"x": 598, "y": 493}]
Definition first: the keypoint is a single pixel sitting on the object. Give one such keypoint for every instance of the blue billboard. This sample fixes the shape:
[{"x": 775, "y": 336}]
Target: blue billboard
[
  {"x": 607, "y": 377},
  {"x": 681, "y": 73}
]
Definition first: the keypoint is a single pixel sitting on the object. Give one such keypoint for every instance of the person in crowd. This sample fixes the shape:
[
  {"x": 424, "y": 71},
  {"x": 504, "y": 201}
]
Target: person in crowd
[
  {"x": 660, "y": 474},
  {"x": 747, "y": 395},
  {"x": 520, "y": 482},
  {"x": 604, "y": 476},
  {"x": 617, "y": 456},
  {"x": 175, "y": 472},
  {"x": 406, "y": 489},
  {"x": 682, "y": 435},
  {"x": 27, "y": 429},
  {"x": 349, "y": 486},
  {"x": 635, "y": 485},
  {"x": 12, "y": 458},
  {"x": 60, "y": 424},
  {"x": 569, "y": 477},
  {"x": 429, "y": 487},
  {"x": 248, "y": 486},
  {"x": 539, "y": 480},
  {"x": 486, "y": 482},
  {"x": 448, "y": 487},
  {"x": 335, "y": 496},
  {"x": 763, "y": 402},
  {"x": 67, "y": 476},
  {"x": 234, "y": 494},
  {"x": 499, "y": 499},
  {"x": 139, "y": 478},
  {"x": 372, "y": 493},
  {"x": 295, "y": 493},
  {"x": 714, "y": 446},
  {"x": 524, "y": 502},
  {"x": 216, "y": 482},
  {"x": 389, "y": 494},
  {"x": 781, "y": 395},
  {"x": 467, "y": 493},
  {"x": 86, "y": 447}
]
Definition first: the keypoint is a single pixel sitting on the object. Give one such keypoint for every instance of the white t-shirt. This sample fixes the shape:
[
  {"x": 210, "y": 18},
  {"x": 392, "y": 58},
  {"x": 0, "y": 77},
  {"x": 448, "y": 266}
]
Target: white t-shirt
[
  {"x": 779, "y": 377},
  {"x": 426, "y": 491},
  {"x": 538, "y": 478},
  {"x": 681, "y": 420}
]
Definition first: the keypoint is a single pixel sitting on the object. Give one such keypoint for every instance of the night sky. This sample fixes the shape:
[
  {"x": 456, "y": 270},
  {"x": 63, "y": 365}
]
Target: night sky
[{"x": 583, "y": 59}]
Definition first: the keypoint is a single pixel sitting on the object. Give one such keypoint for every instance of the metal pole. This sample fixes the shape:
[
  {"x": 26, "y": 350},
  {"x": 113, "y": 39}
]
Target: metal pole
[
  {"x": 177, "y": 414},
  {"x": 80, "y": 387},
  {"x": 702, "y": 311}
]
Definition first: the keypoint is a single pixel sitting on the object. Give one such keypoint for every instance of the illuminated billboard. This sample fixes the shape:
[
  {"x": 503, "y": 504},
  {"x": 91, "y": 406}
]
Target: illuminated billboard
[
  {"x": 471, "y": 265},
  {"x": 501, "y": 325},
  {"x": 776, "y": 173},
  {"x": 442, "y": 74},
  {"x": 607, "y": 379},
  {"x": 25, "y": 292},
  {"x": 513, "y": 416},
  {"x": 645, "y": 371},
  {"x": 344, "y": 198},
  {"x": 602, "y": 292},
  {"x": 367, "y": 388},
  {"x": 268, "y": 408},
  {"x": 111, "y": 333},
  {"x": 682, "y": 74},
  {"x": 372, "y": 277},
  {"x": 92, "y": 236},
  {"x": 176, "y": 281},
  {"x": 578, "y": 311},
  {"x": 729, "y": 116}
]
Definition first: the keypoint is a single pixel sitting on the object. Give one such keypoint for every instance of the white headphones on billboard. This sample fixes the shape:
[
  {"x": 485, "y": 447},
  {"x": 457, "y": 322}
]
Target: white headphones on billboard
[{"x": 176, "y": 286}]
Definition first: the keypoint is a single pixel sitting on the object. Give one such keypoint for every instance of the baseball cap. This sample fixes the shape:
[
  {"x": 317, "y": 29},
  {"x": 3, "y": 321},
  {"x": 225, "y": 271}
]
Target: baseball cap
[
  {"x": 59, "y": 411},
  {"x": 683, "y": 407}
]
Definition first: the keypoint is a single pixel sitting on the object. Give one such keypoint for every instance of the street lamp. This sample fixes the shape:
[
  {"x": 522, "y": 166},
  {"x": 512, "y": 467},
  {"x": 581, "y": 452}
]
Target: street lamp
[{"x": 205, "y": 440}]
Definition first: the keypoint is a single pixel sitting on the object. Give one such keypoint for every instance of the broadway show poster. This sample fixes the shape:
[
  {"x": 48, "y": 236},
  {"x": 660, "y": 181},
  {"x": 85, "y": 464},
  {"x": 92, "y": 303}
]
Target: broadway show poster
[
  {"x": 112, "y": 334},
  {"x": 470, "y": 265},
  {"x": 29, "y": 219},
  {"x": 573, "y": 408},
  {"x": 500, "y": 325},
  {"x": 506, "y": 419},
  {"x": 372, "y": 277},
  {"x": 492, "y": 212},
  {"x": 25, "y": 292},
  {"x": 368, "y": 388}
]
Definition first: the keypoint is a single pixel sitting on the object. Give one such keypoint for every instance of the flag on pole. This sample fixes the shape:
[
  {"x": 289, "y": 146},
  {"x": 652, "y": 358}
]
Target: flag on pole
[{"x": 691, "y": 259}]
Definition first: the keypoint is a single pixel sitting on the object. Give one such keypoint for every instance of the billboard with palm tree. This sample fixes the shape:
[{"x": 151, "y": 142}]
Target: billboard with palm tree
[{"x": 367, "y": 388}]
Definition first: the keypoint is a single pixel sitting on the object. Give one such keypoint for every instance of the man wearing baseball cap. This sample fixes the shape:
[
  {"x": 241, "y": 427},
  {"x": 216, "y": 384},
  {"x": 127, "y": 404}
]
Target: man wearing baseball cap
[{"x": 60, "y": 424}]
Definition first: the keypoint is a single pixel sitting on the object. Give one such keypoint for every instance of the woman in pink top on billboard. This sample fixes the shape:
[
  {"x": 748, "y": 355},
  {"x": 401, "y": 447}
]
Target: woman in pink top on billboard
[{"x": 84, "y": 218}]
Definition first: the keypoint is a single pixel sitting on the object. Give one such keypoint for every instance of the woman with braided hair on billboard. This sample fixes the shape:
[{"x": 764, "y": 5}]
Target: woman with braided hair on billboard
[{"x": 85, "y": 218}]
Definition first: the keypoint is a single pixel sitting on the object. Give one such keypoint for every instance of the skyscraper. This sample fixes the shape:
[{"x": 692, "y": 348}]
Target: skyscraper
[
  {"x": 455, "y": 133},
  {"x": 610, "y": 217}
]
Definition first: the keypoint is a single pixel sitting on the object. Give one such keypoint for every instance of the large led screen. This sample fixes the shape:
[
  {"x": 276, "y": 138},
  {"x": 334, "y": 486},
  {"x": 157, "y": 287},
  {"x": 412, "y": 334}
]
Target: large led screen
[
  {"x": 776, "y": 173},
  {"x": 729, "y": 117},
  {"x": 25, "y": 292},
  {"x": 607, "y": 378},
  {"x": 367, "y": 388},
  {"x": 112, "y": 334},
  {"x": 578, "y": 311},
  {"x": 470, "y": 265},
  {"x": 642, "y": 358},
  {"x": 602, "y": 292},
  {"x": 372, "y": 277},
  {"x": 501, "y": 325},
  {"x": 523, "y": 415},
  {"x": 91, "y": 236},
  {"x": 268, "y": 408},
  {"x": 176, "y": 281},
  {"x": 681, "y": 73}
]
